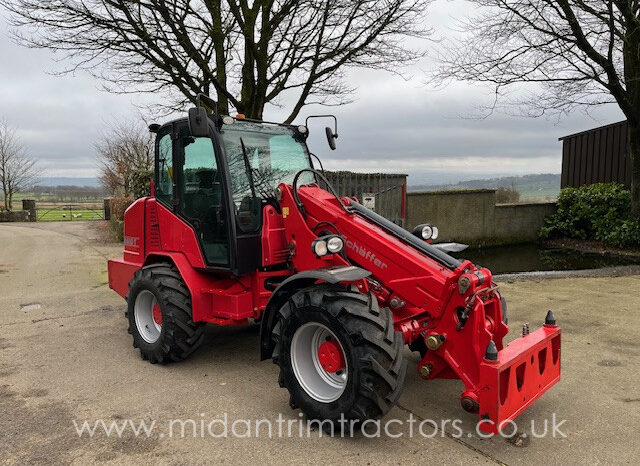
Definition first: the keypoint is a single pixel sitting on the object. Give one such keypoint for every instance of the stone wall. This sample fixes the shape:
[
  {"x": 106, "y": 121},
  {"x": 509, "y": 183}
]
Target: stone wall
[
  {"x": 521, "y": 222},
  {"x": 14, "y": 216},
  {"x": 473, "y": 217}
]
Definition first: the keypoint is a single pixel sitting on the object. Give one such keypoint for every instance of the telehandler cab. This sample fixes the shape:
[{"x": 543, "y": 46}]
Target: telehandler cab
[{"x": 237, "y": 228}]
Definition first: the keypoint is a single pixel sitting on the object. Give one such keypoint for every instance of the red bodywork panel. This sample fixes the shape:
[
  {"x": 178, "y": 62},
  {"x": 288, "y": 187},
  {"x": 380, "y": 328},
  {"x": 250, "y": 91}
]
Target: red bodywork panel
[
  {"x": 275, "y": 249},
  {"x": 427, "y": 298},
  {"x": 153, "y": 233}
]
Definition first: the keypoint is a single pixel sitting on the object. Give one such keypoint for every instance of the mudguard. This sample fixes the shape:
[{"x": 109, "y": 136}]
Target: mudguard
[{"x": 333, "y": 275}]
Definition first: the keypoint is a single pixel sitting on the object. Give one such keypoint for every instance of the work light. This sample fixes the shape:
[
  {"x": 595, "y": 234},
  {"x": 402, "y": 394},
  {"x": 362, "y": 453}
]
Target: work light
[
  {"x": 335, "y": 244},
  {"x": 320, "y": 247},
  {"x": 330, "y": 244},
  {"x": 426, "y": 232}
]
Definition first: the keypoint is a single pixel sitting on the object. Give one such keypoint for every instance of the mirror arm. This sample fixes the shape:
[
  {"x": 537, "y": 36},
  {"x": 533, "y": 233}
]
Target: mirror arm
[{"x": 335, "y": 122}]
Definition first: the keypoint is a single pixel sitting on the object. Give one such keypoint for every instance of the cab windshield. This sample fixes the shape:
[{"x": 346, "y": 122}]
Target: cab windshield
[{"x": 260, "y": 157}]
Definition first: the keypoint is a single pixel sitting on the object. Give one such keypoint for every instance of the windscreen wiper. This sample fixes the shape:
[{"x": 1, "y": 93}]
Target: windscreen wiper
[{"x": 248, "y": 168}]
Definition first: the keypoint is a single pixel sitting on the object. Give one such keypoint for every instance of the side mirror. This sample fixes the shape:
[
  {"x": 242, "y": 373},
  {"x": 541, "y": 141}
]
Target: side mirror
[
  {"x": 331, "y": 138},
  {"x": 198, "y": 122}
]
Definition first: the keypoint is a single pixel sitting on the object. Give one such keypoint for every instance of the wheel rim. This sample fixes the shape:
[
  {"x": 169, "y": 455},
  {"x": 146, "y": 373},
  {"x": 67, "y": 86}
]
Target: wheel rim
[
  {"x": 148, "y": 316},
  {"x": 320, "y": 384}
]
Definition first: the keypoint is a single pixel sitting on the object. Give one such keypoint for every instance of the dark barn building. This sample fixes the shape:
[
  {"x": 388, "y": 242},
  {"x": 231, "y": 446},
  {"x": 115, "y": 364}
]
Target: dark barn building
[{"x": 597, "y": 155}]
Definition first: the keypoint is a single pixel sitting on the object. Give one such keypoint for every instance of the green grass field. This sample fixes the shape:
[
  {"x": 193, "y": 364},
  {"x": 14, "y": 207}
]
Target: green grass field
[
  {"x": 51, "y": 209},
  {"x": 57, "y": 214},
  {"x": 60, "y": 211}
]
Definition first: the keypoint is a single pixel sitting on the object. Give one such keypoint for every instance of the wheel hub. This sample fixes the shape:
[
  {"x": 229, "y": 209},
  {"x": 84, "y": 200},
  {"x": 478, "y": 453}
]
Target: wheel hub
[
  {"x": 148, "y": 316},
  {"x": 157, "y": 314},
  {"x": 331, "y": 357},
  {"x": 319, "y": 363}
]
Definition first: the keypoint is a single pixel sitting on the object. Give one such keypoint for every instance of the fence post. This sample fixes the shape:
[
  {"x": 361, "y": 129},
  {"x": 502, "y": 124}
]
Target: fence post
[
  {"x": 30, "y": 206},
  {"x": 107, "y": 208}
]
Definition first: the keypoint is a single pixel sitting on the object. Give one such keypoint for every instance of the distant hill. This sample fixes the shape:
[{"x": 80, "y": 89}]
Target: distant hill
[
  {"x": 543, "y": 186},
  {"x": 69, "y": 181}
]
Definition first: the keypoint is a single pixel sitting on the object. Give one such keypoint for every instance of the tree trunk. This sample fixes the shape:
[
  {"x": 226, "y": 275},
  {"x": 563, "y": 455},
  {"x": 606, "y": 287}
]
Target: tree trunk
[
  {"x": 247, "y": 91},
  {"x": 221, "y": 55},
  {"x": 634, "y": 153},
  {"x": 630, "y": 102},
  {"x": 3, "y": 166}
]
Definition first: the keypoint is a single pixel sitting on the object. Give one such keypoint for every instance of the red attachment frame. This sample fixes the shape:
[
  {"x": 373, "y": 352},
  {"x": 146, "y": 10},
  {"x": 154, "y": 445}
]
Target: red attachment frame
[{"x": 525, "y": 369}]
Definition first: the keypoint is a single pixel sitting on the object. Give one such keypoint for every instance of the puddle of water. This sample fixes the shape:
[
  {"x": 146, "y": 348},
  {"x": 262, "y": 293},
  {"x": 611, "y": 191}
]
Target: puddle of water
[{"x": 533, "y": 258}]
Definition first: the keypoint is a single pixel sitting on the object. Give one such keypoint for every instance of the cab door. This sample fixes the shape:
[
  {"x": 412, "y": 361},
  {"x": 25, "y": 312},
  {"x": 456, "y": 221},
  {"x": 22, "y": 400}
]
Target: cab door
[
  {"x": 189, "y": 181},
  {"x": 201, "y": 197}
]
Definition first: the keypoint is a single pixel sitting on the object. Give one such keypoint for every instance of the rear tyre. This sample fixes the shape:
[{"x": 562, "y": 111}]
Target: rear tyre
[
  {"x": 159, "y": 313},
  {"x": 339, "y": 356}
]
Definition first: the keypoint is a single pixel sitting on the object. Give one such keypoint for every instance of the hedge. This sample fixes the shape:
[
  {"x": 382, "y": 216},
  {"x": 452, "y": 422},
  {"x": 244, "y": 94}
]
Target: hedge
[
  {"x": 595, "y": 212},
  {"x": 118, "y": 205}
]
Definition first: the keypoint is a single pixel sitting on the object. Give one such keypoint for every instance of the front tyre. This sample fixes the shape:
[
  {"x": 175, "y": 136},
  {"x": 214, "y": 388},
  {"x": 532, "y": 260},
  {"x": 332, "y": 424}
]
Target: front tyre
[
  {"x": 339, "y": 356},
  {"x": 159, "y": 312}
]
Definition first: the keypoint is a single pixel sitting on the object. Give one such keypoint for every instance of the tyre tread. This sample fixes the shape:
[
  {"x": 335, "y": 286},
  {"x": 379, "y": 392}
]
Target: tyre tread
[
  {"x": 378, "y": 346},
  {"x": 183, "y": 336}
]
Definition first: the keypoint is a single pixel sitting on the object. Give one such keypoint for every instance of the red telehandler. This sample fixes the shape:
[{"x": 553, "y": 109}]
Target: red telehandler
[{"x": 237, "y": 228}]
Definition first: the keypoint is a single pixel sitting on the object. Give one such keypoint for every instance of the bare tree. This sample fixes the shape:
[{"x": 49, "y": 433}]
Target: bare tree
[
  {"x": 126, "y": 159},
  {"x": 249, "y": 53},
  {"x": 17, "y": 169},
  {"x": 572, "y": 53}
]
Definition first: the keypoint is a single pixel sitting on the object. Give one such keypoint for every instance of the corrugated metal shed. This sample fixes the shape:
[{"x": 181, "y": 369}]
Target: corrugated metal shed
[
  {"x": 388, "y": 190},
  {"x": 597, "y": 155}
]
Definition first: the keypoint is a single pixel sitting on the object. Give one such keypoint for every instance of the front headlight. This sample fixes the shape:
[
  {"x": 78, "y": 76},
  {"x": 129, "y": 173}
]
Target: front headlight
[{"x": 435, "y": 233}]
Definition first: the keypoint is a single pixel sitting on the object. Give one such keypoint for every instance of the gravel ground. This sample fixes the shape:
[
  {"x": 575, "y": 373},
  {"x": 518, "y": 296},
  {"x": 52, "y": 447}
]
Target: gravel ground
[{"x": 65, "y": 355}]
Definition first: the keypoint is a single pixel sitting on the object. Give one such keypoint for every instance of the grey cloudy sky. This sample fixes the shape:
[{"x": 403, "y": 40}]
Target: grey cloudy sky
[{"x": 396, "y": 123}]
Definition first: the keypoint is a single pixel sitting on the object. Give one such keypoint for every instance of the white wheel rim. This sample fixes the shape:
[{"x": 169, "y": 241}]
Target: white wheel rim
[
  {"x": 321, "y": 385},
  {"x": 147, "y": 327}
]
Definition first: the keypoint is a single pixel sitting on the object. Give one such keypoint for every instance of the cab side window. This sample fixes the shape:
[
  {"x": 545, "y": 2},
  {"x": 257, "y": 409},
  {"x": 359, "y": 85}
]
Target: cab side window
[
  {"x": 201, "y": 198},
  {"x": 164, "y": 169}
]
